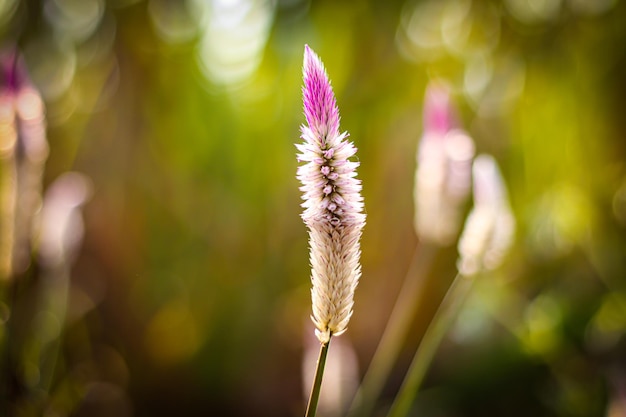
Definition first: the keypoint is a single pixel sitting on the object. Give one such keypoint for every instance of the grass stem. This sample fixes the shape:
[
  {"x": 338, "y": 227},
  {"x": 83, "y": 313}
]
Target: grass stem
[
  {"x": 439, "y": 326},
  {"x": 317, "y": 382},
  {"x": 395, "y": 332}
]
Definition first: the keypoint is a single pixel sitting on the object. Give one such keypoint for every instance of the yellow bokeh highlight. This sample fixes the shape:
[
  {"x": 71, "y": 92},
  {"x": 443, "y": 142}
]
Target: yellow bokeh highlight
[{"x": 172, "y": 335}]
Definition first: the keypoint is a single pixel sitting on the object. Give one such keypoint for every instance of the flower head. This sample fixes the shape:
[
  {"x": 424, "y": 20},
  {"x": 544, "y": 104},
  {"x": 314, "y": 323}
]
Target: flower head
[
  {"x": 333, "y": 206},
  {"x": 23, "y": 152},
  {"x": 439, "y": 115},
  {"x": 490, "y": 226},
  {"x": 443, "y": 175}
]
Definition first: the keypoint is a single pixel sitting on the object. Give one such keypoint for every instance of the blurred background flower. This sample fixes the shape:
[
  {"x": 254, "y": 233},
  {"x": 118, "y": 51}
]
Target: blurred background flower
[{"x": 190, "y": 289}]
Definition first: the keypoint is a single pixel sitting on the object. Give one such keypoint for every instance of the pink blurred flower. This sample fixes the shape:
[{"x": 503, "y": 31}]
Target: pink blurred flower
[
  {"x": 23, "y": 153},
  {"x": 490, "y": 227},
  {"x": 443, "y": 175}
]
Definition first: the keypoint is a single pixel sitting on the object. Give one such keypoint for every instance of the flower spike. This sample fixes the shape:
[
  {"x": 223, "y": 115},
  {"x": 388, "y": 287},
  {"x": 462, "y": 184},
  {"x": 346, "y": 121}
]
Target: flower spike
[
  {"x": 333, "y": 206},
  {"x": 490, "y": 227},
  {"x": 444, "y": 164}
]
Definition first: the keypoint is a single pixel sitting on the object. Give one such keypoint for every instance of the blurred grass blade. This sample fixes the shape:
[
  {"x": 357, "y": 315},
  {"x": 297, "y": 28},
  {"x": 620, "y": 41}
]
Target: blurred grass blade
[
  {"x": 395, "y": 332},
  {"x": 443, "y": 319}
]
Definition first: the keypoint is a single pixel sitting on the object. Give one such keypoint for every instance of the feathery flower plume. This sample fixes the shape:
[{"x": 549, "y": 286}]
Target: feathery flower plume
[
  {"x": 490, "y": 226},
  {"x": 443, "y": 175},
  {"x": 333, "y": 206}
]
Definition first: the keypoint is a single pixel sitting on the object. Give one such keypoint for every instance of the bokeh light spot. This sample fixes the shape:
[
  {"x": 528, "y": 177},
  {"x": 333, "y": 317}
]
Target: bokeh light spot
[
  {"x": 231, "y": 47},
  {"x": 7, "y": 10},
  {"x": 533, "y": 11},
  {"x": 52, "y": 66},
  {"x": 591, "y": 7},
  {"x": 174, "y": 21},
  {"x": 561, "y": 219},
  {"x": 543, "y": 316},
  {"x": 76, "y": 18},
  {"x": 172, "y": 334},
  {"x": 619, "y": 204}
]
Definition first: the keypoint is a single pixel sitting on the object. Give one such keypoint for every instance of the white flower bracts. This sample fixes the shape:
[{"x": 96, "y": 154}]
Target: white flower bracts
[{"x": 333, "y": 205}]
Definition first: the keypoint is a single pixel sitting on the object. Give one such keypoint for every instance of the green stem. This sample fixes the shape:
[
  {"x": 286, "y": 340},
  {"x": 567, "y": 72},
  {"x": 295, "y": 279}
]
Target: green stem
[
  {"x": 395, "y": 332},
  {"x": 317, "y": 382},
  {"x": 439, "y": 326}
]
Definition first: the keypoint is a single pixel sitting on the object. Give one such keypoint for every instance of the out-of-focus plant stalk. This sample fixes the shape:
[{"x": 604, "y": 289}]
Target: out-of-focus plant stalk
[
  {"x": 61, "y": 236},
  {"x": 441, "y": 322},
  {"x": 395, "y": 332},
  {"x": 8, "y": 184},
  {"x": 8, "y": 208},
  {"x": 333, "y": 211},
  {"x": 442, "y": 186},
  {"x": 33, "y": 153},
  {"x": 23, "y": 153},
  {"x": 486, "y": 238}
]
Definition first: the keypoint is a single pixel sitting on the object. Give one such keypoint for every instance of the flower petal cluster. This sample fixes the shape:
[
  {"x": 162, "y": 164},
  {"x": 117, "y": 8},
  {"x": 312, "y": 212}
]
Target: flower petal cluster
[
  {"x": 490, "y": 227},
  {"x": 443, "y": 175},
  {"x": 23, "y": 153},
  {"x": 333, "y": 205}
]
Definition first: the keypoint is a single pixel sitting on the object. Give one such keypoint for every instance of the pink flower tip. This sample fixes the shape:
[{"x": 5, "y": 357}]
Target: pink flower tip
[
  {"x": 439, "y": 113},
  {"x": 320, "y": 106}
]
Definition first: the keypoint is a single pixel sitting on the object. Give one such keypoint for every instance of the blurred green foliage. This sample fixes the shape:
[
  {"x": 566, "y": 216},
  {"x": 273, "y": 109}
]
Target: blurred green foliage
[{"x": 190, "y": 295}]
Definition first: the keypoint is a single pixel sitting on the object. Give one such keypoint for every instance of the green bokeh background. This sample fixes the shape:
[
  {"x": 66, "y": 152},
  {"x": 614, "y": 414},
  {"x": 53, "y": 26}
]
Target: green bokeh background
[{"x": 195, "y": 259}]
